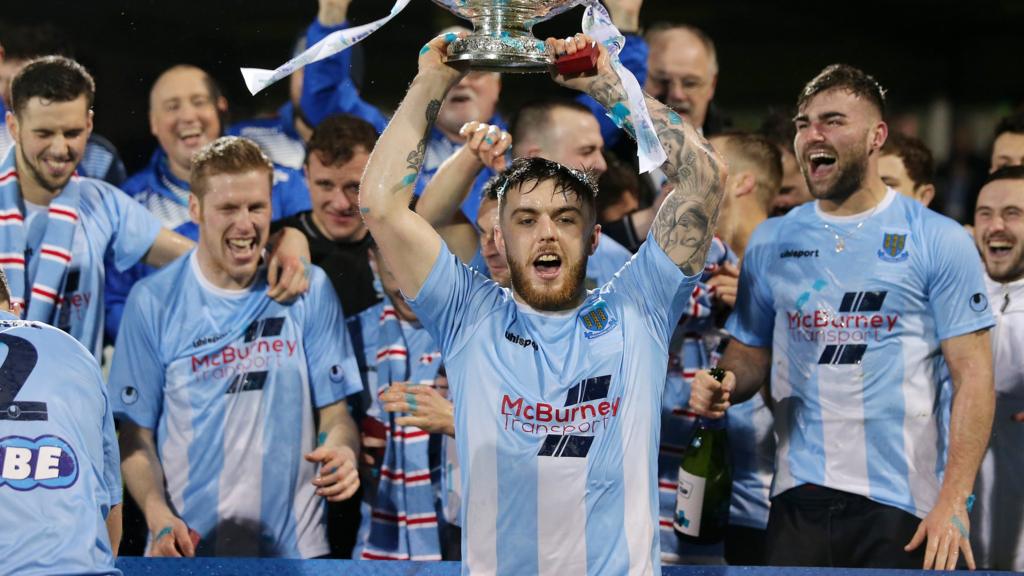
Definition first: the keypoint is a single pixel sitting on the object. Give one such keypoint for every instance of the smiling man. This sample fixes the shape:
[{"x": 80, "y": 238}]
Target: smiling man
[
  {"x": 856, "y": 305},
  {"x": 998, "y": 520},
  {"x": 215, "y": 384},
  {"x": 546, "y": 490}
]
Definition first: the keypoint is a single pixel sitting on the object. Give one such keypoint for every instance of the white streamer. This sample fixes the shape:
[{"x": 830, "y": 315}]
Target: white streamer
[{"x": 257, "y": 79}]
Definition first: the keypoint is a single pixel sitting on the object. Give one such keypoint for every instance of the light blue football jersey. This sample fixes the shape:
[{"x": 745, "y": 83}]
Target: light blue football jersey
[
  {"x": 855, "y": 334},
  {"x": 60, "y": 469},
  {"x": 561, "y": 417},
  {"x": 228, "y": 381},
  {"x": 109, "y": 224}
]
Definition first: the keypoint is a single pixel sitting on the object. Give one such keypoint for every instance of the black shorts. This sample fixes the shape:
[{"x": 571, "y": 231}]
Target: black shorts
[{"x": 815, "y": 526}]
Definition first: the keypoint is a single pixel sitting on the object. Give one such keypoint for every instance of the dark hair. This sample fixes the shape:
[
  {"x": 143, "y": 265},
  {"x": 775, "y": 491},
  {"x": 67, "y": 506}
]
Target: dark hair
[
  {"x": 1005, "y": 173},
  {"x": 227, "y": 155},
  {"x": 916, "y": 157},
  {"x": 490, "y": 188},
  {"x": 778, "y": 128},
  {"x": 535, "y": 116},
  {"x": 537, "y": 170},
  {"x": 336, "y": 139},
  {"x": 1013, "y": 124},
  {"x": 5, "y": 288},
  {"x": 618, "y": 180},
  {"x": 51, "y": 78},
  {"x": 763, "y": 155},
  {"x": 848, "y": 78}
]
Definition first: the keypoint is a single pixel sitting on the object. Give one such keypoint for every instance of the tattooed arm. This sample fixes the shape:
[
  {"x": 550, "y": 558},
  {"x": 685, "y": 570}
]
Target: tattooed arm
[
  {"x": 685, "y": 223},
  {"x": 407, "y": 241}
]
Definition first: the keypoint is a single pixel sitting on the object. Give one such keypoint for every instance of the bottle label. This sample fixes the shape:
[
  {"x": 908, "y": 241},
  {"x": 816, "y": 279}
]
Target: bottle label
[{"x": 689, "y": 503}]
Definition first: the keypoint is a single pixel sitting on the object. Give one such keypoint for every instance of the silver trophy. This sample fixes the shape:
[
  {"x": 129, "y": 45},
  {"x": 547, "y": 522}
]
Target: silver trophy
[{"x": 502, "y": 40}]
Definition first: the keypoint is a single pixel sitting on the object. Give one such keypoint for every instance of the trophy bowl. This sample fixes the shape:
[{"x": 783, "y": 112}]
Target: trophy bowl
[{"x": 502, "y": 40}]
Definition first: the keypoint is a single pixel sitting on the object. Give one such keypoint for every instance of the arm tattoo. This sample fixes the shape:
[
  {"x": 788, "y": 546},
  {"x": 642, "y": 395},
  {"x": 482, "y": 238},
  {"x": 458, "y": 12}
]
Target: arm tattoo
[
  {"x": 685, "y": 224},
  {"x": 415, "y": 158}
]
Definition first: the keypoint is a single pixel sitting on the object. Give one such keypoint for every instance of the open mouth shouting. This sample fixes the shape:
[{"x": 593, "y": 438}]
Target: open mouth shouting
[
  {"x": 547, "y": 266},
  {"x": 242, "y": 249},
  {"x": 821, "y": 163},
  {"x": 998, "y": 248},
  {"x": 192, "y": 137}
]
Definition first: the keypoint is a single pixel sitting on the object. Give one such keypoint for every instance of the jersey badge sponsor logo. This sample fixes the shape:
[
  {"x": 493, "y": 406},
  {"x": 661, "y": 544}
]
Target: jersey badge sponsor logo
[
  {"x": 597, "y": 320},
  {"x": 894, "y": 247},
  {"x": 847, "y": 332},
  {"x": 129, "y": 395},
  {"x": 42, "y": 462},
  {"x": 524, "y": 342},
  {"x": 799, "y": 253},
  {"x": 568, "y": 431},
  {"x": 978, "y": 302}
]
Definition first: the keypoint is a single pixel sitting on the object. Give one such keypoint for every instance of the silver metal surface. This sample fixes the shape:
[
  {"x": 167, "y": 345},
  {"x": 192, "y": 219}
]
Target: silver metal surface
[{"x": 502, "y": 40}]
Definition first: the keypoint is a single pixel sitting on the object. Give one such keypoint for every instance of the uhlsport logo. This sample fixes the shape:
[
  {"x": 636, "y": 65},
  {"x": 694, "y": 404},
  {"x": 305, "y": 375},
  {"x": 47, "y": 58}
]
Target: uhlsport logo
[
  {"x": 42, "y": 462},
  {"x": 568, "y": 431},
  {"x": 597, "y": 320},
  {"x": 893, "y": 247},
  {"x": 847, "y": 332}
]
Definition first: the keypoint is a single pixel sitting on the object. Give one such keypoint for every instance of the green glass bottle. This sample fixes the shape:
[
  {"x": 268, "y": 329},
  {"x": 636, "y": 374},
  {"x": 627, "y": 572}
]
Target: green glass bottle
[{"x": 704, "y": 489}]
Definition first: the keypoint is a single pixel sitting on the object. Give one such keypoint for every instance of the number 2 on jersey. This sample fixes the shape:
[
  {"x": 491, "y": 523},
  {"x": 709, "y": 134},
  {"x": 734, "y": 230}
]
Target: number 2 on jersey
[{"x": 21, "y": 360}]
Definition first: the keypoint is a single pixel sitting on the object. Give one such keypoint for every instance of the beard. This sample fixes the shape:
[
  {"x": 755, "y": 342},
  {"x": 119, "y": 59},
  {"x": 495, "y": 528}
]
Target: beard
[
  {"x": 551, "y": 300},
  {"x": 40, "y": 176},
  {"x": 851, "y": 178}
]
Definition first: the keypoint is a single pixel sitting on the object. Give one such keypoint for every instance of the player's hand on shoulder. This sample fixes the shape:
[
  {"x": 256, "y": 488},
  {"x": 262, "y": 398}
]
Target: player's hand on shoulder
[
  {"x": 709, "y": 398},
  {"x": 288, "y": 269},
  {"x": 171, "y": 538},
  {"x": 486, "y": 143},
  {"x": 338, "y": 477}
]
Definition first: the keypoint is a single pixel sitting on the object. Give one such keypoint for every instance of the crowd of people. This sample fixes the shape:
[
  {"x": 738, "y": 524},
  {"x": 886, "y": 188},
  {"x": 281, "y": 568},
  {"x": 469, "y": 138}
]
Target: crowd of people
[{"x": 444, "y": 335}]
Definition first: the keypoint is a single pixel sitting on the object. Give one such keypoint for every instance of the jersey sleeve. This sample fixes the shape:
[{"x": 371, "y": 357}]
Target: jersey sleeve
[
  {"x": 956, "y": 287},
  {"x": 452, "y": 299},
  {"x": 111, "y": 452},
  {"x": 656, "y": 284},
  {"x": 331, "y": 362},
  {"x": 753, "y": 319},
  {"x": 134, "y": 228},
  {"x": 137, "y": 372},
  {"x": 327, "y": 87}
]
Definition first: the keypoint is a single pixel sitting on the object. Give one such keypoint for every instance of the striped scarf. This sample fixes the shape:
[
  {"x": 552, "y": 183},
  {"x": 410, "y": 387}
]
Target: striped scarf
[
  {"x": 403, "y": 525},
  {"x": 38, "y": 290}
]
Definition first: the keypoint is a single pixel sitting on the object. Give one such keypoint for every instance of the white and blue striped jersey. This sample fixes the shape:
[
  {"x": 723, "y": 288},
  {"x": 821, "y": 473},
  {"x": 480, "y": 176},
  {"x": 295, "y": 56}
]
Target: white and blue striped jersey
[
  {"x": 855, "y": 334},
  {"x": 108, "y": 224},
  {"x": 561, "y": 417},
  {"x": 228, "y": 381},
  {"x": 60, "y": 469}
]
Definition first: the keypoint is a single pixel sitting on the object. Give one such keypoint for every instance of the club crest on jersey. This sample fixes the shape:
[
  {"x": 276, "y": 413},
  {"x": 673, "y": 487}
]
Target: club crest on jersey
[
  {"x": 43, "y": 462},
  {"x": 893, "y": 247},
  {"x": 597, "y": 320}
]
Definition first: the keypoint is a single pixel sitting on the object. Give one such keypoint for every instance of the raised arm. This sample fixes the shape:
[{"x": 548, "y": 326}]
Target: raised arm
[
  {"x": 685, "y": 223},
  {"x": 407, "y": 241},
  {"x": 439, "y": 203}
]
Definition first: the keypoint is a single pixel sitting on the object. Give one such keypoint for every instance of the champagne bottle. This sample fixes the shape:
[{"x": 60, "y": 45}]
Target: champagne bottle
[{"x": 704, "y": 489}]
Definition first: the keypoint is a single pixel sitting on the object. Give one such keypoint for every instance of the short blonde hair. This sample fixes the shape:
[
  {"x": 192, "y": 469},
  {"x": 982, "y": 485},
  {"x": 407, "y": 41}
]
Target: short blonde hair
[{"x": 227, "y": 155}]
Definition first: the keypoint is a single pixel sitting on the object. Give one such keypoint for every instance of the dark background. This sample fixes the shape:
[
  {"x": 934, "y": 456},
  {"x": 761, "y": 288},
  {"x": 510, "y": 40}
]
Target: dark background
[{"x": 967, "y": 55}]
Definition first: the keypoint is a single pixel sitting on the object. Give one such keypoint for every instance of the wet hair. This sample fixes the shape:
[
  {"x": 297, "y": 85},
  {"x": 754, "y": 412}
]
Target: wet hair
[
  {"x": 1005, "y": 173},
  {"x": 1012, "y": 124},
  {"x": 534, "y": 117},
  {"x": 337, "y": 139},
  {"x": 763, "y": 155},
  {"x": 535, "y": 170},
  {"x": 916, "y": 157},
  {"x": 227, "y": 155},
  {"x": 53, "y": 79},
  {"x": 848, "y": 78},
  {"x": 709, "y": 45}
]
